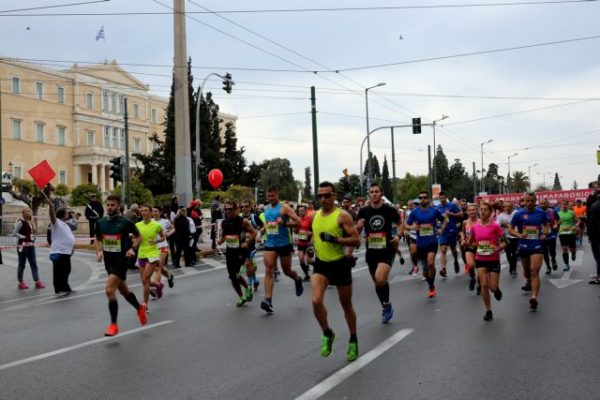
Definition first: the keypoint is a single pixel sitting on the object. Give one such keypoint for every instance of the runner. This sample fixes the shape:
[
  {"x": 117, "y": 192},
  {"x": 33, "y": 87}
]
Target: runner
[
  {"x": 512, "y": 246},
  {"x": 114, "y": 245},
  {"x": 549, "y": 245},
  {"x": 449, "y": 236},
  {"x": 487, "y": 237},
  {"x": 278, "y": 244},
  {"x": 304, "y": 239},
  {"x": 467, "y": 247},
  {"x": 24, "y": 230},
  {"x": 580, "y": 211},
  {"x": 148, "y": 253},
  {"x": 333, "y": 229},
  {"x": 530, "y": 225},
  {"x": 237, "y": 233},
  {"x": 163, "y": 246},
  {"x": 567, "y": 229},
  {"x": 250, "y": 262},
  {"x": 378, "y": 220},
  {"x": 424, "y": 219},
  {"x": 411, "y": 237}
]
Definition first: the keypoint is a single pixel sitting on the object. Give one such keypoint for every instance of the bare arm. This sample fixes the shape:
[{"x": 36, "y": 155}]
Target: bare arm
[
  {"x": 351, "y": 233},
  {"x": 293, "y": 221},
  {"x": 360, "y": 224},
  {"x": 52, "y": 213},
  {"x": 251, "y": 233}
]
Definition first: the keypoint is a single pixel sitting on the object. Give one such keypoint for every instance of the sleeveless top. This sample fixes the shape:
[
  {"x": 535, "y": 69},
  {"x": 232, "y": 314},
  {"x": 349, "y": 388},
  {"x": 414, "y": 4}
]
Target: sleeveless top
[
  {"x": 278, "y": 235},
  {"x": 326, "y": 251}
]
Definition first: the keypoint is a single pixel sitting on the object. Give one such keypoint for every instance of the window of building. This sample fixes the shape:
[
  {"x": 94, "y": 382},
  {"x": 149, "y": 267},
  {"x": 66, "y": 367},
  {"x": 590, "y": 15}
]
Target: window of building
[
  {"x": 39, "y": 132},
  {"x": 62, "y": 135},
  {"x": 60, "y": 94},
  {"x": 136, "y": 111},
  {"x": 90, "y": 138},
  {"x": 89, "y": 100},
  {"x": 115, "y": 138},
  {"x": 113, "y": 103},
  {"x": 137, "y": 145},
  {"x": 39, "y": 90},
  {"x": 16, "y": 125},
  {"x": 62, "y": 177},
  {"x": 122, "y": 133},
  {"x": 105, "y": 100},
  {"x": 16, "y": 85},
  {"x": 17, "y": 172},
  {"x": 154, "y": 117},
  {"x": 106, "y": 136},
  {"x": 121, "y": 104}
]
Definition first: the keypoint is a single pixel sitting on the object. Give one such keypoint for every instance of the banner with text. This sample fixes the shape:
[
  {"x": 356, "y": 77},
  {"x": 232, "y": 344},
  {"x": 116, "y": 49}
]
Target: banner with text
[{"x": 553, "y": 196}]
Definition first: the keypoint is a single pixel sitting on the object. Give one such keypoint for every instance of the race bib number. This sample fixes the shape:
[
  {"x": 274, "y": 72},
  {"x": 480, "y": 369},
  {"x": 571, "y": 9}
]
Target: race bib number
[
  {"x": 485, "y": 248},
  {"x": 565, "y": 230},
  {"x": 111, "y": 243},
  {"x": 426, "y": 230},
  {"x": 303, "y": 235},
  {"x": 232, "y": 241},
  {"x": 532, "y": 232},
  {"x": 377, "y": 241},
  {"x": 272, "y": 228}
]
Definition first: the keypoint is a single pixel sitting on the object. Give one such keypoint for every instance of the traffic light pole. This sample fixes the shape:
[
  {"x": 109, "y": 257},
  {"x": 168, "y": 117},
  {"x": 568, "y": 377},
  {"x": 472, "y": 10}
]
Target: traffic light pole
[
  {"x": 126, "y": 188},
  {"x": 313, "y": 108}
]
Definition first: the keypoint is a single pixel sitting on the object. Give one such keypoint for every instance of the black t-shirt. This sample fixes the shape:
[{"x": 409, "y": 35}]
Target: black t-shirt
[
  {"x": 115, "y": 236},
  {"x": 233, "y": 233},
  {"x": 378, "y": 226}
]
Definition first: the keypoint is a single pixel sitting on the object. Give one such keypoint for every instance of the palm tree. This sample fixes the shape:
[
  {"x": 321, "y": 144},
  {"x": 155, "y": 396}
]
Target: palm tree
[{"x": 519, "y": 182}]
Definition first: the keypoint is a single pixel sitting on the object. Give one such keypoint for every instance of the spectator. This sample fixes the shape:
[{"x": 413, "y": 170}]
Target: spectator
[
  {"x": 216, "y": 215},
  {"x": 593, "y": 226},
  {"x": 93, "y": 212},
  {"x": 182, "y": 238},
  {"x": 24, "y": 229},
  {"x": 61, "y": 249},
  {"x": 174, "y": 206}
]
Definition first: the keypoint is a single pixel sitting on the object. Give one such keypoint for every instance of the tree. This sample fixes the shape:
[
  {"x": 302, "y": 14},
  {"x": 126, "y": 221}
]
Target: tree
[
  {"x": 520, "y": 182},
  {"x": 574, "y": 186},
  {"x": 349, "y": 184},
  {"x": 460, "y": 185},
  {"x": 279, "y": 173},
  {"x": 251, "y": 177},
  {"x": 80, "y": 195},
  {"x": 28, "y": 192},
  {"x": 441, "y": 163},
  {"x": 556, "y": 185},
  {"x": 410, "y": 186},
  {"x": 232, "y": 160},
  {"x": 157, "y": 175},
  {"x": 139, "y": 193},
  {"x": 61, "y": 190},
  {"x": 386, "y": 183},
  {"x": 375, "y": 170},
  {"x": 307, "y": 193},
  {"x": 491, "y": 181}
]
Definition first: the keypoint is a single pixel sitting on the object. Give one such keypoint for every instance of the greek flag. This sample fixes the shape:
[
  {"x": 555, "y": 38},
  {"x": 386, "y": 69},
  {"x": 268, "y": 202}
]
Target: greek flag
[{"x": 100, "y": 34}]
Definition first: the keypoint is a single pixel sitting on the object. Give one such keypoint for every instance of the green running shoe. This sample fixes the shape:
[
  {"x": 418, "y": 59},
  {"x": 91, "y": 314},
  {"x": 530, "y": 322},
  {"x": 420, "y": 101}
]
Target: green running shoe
[
  {"x": 352, "y": 353},
  {"x": 249, "y": 293},
  {"x": 326, "y": 343},
  {"x": 241, "y": 302}
]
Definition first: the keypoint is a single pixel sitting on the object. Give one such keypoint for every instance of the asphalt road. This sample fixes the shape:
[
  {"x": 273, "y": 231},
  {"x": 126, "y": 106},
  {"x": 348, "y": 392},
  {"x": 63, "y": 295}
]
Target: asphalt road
[{"x": 198, "y": 345}]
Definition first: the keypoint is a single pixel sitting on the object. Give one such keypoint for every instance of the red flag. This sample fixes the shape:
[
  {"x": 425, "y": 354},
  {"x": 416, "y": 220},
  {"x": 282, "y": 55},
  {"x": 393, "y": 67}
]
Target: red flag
[{"x": 42, "y": 174}]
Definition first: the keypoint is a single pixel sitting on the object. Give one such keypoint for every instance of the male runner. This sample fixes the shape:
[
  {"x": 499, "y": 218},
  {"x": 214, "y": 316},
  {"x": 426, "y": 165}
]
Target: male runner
[
  {"x": 530, "y": 225},
  {"x": 163, "y": 245},
  {"x": 411, "y": 237},
  {"x": 333, "y": 229},
  {"x": 279, "y": 218},
  {"x": 378, "y": 219},
  {"x": 114, "y": 245},
  {"x": 449, "y": 237},
  {"x": 258, "y": 225},
  {"x": 304, "y": 236},
  {"x": 549, "y": 245},
  {"x": 580, "y": 211},
  {"x": 148, "y": 258},
  {"x": 424, "y": 219},
  {"x": 567, "y": 229}
]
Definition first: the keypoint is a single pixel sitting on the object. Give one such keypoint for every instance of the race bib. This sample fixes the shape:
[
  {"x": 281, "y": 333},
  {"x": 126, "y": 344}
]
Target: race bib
[
  {"x": 426, "y": 230},
  {"x": 272, "y": 228},
  {"x": 565, "y": 230},
  {"x": 376, "y": 240},
  {"x": 111, "y": 243},
  {"x": 532, "y": 232},
  {"x": 232, "y": 241},
  {"x": 303, "y": 235},
  {"x": 485, "y": 248}
]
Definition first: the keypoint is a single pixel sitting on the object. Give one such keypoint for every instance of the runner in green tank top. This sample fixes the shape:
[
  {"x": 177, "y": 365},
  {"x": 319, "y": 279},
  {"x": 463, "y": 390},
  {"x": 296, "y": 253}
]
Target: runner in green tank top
[
  {"x": 567, "y": 232},
  {"x": 332, "y": 230}
]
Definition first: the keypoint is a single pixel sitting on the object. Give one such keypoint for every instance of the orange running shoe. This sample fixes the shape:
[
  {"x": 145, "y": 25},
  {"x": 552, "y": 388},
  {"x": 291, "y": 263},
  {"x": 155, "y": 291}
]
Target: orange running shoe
[
  {"x": 141, "y": 312},
  {"x": 431, "y": 294},
  {"x": 112, "y": 330}
]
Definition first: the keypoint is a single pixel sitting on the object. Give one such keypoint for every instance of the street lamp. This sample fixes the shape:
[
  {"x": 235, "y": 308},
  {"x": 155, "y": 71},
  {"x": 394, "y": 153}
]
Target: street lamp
[
  {"x": 529, "y": 173},
  {"x": 508, "y": 177},
  {"x": 489, "y": 141},
  {"x": 434, "y": 148},
  {"x": 368, "y": 140},
  {"x": 543, "y": 174}
]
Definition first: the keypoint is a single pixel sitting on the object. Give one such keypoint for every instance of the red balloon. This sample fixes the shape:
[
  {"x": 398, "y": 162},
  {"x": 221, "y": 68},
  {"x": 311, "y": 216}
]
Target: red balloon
[{"x": 215, "y": 178}]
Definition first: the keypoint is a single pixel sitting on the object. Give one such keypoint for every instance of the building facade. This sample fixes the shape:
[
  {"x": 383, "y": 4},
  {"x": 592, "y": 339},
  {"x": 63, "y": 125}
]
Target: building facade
[{"x": 74, "y": 119}]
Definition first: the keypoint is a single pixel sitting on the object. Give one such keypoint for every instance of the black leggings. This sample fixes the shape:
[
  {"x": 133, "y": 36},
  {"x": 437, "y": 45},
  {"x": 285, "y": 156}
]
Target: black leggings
[
  {"x": 549, "y": 246},
  {"x": 512, "y": 250},
  {"x": 234, "y": 261}
]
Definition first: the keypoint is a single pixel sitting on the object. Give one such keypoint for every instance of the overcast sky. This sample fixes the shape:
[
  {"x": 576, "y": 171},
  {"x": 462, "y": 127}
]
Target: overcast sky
[{"x": 540, "y": 102}]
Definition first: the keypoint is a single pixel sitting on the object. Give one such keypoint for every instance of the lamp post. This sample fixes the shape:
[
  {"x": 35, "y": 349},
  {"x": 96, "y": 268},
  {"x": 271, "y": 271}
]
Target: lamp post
[
  {"x": 543, "y": 174},
  {"x": 529, "y": 173},
  {"x": 489, "y": 141},
  {"x": 508, "y": 177},
  {"x": 368, "y": 140},
  {"x": 434, "y": 148}
]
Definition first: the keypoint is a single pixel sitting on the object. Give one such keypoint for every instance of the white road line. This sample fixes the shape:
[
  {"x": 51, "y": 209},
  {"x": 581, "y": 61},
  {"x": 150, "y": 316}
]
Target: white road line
[
  {"x": 79, "y": 346},
  {"x": 325, "y": 386}
]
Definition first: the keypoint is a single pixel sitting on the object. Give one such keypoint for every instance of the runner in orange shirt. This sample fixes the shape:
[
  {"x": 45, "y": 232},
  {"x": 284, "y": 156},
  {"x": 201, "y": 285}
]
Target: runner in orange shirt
[{"x": 580, "y": 211}]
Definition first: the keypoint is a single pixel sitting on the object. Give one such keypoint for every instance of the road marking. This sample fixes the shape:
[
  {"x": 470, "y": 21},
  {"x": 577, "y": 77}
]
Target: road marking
[
  {"x": 325, "y": 386},
  {"x": 79, "y": 346},
  {"x": 565, "y": 280}
]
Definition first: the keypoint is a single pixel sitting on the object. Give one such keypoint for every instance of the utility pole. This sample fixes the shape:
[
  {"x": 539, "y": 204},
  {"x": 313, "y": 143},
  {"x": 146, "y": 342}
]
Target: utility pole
[
  {"x": 393, "y": 169},
  {"x": 127, "y": 186},
  {"x": 474, "y": 182},
  {"x": 429, "y": 168},
  {"x": 313, "y": 110},
  {"x": 183, "y": 152}
]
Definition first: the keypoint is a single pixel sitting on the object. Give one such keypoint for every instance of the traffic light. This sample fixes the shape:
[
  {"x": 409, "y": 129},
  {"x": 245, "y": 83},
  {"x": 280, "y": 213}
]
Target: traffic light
[
  {"x": 260, "y": 195},
  {"x": 228, "y": 83},
  {"x": 117, "y": 169},
  {"x": 416, "y": 125}
]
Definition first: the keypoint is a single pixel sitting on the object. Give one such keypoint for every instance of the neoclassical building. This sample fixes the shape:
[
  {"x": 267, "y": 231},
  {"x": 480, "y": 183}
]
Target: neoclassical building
[{"x": 74, "y": 119}]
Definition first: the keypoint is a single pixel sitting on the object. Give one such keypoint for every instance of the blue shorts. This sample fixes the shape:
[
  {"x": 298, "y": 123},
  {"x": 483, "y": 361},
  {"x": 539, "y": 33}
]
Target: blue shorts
[{"x": 448, "y": 240}]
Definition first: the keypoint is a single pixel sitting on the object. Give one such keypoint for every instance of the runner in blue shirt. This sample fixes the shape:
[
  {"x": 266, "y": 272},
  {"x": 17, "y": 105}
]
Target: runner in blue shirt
[
  {"x": 531, "y": 226},
  {"x": 549, "y": 245},
  {"x": 449, "y": 237},
  {"x": 424, "y": 220}
]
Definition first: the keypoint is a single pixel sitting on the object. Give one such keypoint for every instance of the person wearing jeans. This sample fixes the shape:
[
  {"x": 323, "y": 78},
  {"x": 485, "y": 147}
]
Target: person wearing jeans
[
  {"x": 24, "y": 230},
  {"x": 61, "y": 250}
]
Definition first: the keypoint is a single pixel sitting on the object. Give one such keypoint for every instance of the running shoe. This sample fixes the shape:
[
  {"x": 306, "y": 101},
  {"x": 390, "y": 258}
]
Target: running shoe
[
  {"x": 142, "y": 314},
  {"x": 249, "y": 294},
  {"x": 554, "y": 265},
  {"x": 414, "y": 270},
  {"x": 488, "y": 316},
  {"x": 573, "y": 256},
  {"x": 306, "y": 278},
  {"x": 387, "y": 313},
  {"x": 432, "y": 293},
  {"x": 159, "y": 290},
  {"x": 498, "y": 294},
  {"x": 171, "y": 281},
  {"x": 443, "y": 273},
  {"x": 456, "y": 267},
  {"x": 256, "y": 283},
  {"x": 267, "y": 306},
  {"x": 401, "y": 260},
  {"x": 22, "y": 286},
  {"x": 352, "y": 353},
  {"x": 112, "y": 330},
  {"x": 241, "y": 302},
  {"x": 40, "y": 285},
  {"x": 527, "y": 287},
  {"x": 276, "y": 276},
  {"x": 478, "y": 290},
  {"x": 595, "y": 281},
  {"x": 533, "y": 304},
  {"x": 548, "y": 271},
  {"x": 326, "y": 344},
  {"x": 566, "y": 269},
  {"x": 472, "y": 284},
  {"x": 152, "y": 291},
  {"x": 299, "y": 287}
]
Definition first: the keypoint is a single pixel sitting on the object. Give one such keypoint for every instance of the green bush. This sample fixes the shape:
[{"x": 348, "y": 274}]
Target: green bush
[
  {"x": 162, "y": 199},
  {"x": 139, "y": 193},
  {"x": 61, "y": 190},
  {"x": 80, "y": 196}
]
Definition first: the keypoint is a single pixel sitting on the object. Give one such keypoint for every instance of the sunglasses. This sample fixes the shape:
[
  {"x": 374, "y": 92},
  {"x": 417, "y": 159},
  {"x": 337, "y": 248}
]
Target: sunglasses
[
  {"x": 423, "y": 197},
  {"x": 324, "y": 195},
  {"x": 229, "y": 209},
  {"x": 245, "y": 206}
]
